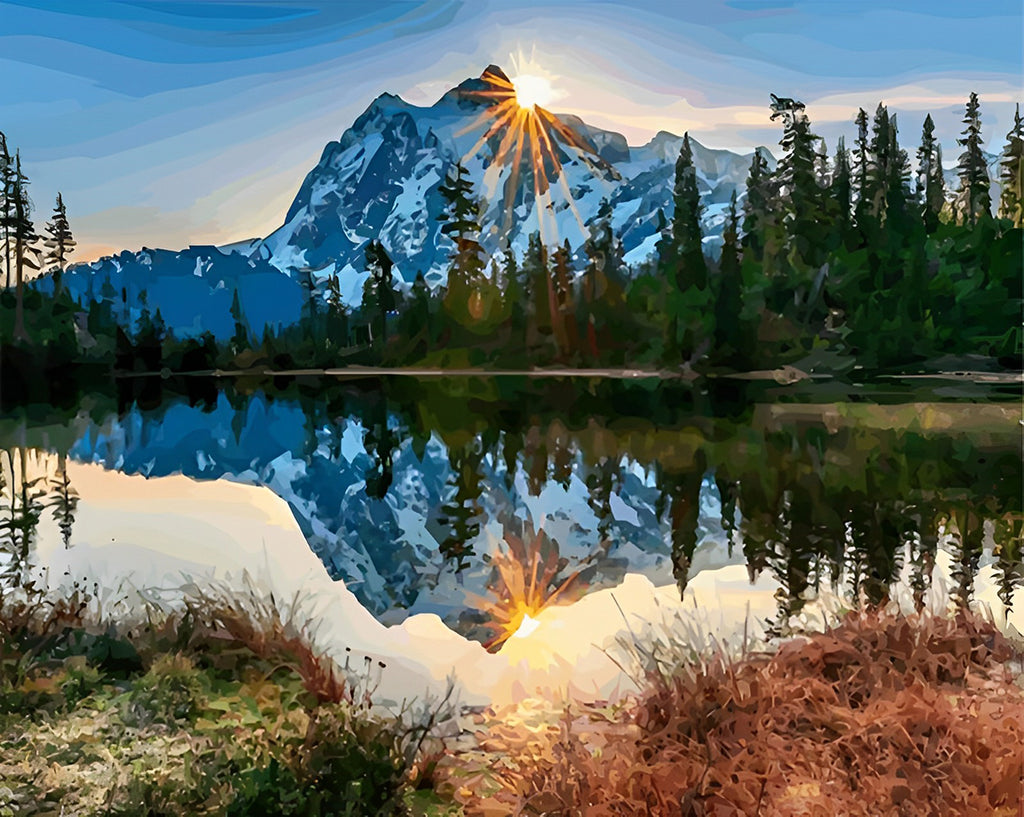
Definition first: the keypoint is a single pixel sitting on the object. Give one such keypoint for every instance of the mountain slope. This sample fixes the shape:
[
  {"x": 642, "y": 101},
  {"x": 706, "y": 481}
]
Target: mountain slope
[{"x": 381, "y": 179}]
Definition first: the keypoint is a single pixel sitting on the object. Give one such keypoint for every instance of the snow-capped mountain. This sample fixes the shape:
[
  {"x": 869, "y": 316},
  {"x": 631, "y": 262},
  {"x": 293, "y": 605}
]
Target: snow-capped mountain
[
  {"x": 381, "y": 179},
  {"x": 385, "y": 547}
]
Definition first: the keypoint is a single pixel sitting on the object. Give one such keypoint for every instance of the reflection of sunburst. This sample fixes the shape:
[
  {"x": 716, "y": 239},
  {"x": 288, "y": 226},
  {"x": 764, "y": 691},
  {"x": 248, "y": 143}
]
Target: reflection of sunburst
[
  {"x": 529, "y": 132},
  {"x": 527, "y": 582}
]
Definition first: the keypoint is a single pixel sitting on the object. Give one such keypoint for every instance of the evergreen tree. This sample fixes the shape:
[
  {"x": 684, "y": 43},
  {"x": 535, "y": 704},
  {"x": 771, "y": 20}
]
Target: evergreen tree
[
  {"x": 240, "y": 338},
  {"x": 687, "y": 239},
  {"x": 974, "y": 200},
  {"x": 517, "y": 297},
  {"x": 757, "y": 206},
  {"x": 879, "y": 167},
  {"x": 841, "y": 192},
  {"x": 563, "y": 318},
  {"x": 337, "y": 314},
  {"x": 898, "y": 194},
  {"x": 806, "y": 235},
  {"x": 150, "y": 332},
  {"x": 799, "y": 189},
  {"x": 420, "y": 310},
  {"x": 682, "y": 263},
  {"x": 537, "y": 275},
  {"x": 730, "y": 346},
  {"x": 379, "y": 292},
  {"x": 309, "y": 290},
  {"x": 466, "y": 259},
  {"x": 822, "y": 172},
  {"x": 22, "y": 234},
  {"x": 1011, "y": 199},
  {"x": 59, "y": 243},
  {"x": 6, "y": 204},
  {"x": 931, "y": 193},
  {"x": 862, "y": 160},
  {"x": 602, "y": 287}
]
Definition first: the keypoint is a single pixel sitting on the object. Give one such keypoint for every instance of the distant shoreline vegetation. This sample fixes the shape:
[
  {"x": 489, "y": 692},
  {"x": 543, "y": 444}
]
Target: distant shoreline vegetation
[{"x": 827, "y": 265}]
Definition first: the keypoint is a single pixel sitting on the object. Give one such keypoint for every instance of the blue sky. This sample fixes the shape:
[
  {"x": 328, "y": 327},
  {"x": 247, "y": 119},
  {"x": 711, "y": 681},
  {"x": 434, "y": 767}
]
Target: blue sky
[{"x": 168, "y": 122}]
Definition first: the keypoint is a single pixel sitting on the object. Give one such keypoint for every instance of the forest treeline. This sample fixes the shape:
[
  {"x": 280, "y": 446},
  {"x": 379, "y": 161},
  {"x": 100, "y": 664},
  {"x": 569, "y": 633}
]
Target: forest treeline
[{"x": 841, "y": 261}]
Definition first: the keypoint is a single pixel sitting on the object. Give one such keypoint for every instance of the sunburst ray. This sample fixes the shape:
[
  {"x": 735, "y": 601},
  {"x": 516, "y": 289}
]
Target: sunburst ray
[{"x": 533, "y": 134}]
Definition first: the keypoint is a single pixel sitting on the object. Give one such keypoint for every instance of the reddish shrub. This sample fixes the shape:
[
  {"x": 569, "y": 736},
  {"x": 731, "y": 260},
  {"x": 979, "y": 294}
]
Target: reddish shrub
[{"x": 883, "y": 715}]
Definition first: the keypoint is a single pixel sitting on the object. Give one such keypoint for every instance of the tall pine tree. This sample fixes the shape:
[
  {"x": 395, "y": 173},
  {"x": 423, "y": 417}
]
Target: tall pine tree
[
  {"x": 22, "y": 234},
  {"x": 6, "y": 205},
  {"x": 379, "y": 292},
  {"x": 602, "y": 286},
  {"x": 59, "y": 243},
  {"x": 841, "y": 192},
  {"x": 240, "y": 338},
  {"x": 682, "y": 263},
  {"x": 563, "y": 318},
  {"x": 931, "y": 187},
  {"x": 757, "y": 205},
  {"x": 974, "y": 201},
  {"x": 861, "y": 170},
  {"x": 1011, "y": 199},
  {"x": 730, "y": 329},
  {"x": 879, "y": 166},
  {"x": 466, "y": 260}
]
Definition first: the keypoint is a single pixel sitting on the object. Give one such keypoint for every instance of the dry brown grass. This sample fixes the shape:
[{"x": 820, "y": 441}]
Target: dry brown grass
[
  {"x": 883, "y": 715},
  {"x": 278, "y": 634}
]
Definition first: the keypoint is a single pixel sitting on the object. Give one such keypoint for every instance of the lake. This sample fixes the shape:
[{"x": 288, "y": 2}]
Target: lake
[{"x": 481, "y": 498}]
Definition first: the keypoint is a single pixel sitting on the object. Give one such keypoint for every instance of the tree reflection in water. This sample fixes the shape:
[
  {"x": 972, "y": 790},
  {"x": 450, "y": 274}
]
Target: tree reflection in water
[{"x": 841, "y": 494}]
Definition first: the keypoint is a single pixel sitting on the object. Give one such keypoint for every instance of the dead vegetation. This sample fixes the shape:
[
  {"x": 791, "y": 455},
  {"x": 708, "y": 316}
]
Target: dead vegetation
[{"x": 882, "y": 715}]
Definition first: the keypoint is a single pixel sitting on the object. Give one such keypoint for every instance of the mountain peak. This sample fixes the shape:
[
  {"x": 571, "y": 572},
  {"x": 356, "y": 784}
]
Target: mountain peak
[{"x": 495, "y": 71}]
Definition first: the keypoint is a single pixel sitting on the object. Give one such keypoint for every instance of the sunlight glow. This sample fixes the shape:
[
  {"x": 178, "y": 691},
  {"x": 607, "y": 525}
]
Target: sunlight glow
[
  {"x": 529, "y": 134},
  {"x": 528, "y": 579},
  {"x": 526, "y": 627},
  {"x": 532, "y": 90}
]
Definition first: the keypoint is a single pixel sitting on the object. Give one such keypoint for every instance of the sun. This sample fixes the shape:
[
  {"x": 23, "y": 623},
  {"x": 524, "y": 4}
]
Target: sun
[
  {"x": 523, "y": 132},
  {"x": 532, "y": 91},
  {"x": 528, "y": 579}
]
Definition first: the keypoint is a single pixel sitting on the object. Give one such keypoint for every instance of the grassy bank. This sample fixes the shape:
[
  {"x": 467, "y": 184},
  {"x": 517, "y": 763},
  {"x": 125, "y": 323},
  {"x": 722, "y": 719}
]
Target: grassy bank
[{"x": 222, "y": 707}]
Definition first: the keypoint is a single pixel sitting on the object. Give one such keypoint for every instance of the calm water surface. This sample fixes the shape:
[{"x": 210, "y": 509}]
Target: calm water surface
[{"x": 424, "y": 495}]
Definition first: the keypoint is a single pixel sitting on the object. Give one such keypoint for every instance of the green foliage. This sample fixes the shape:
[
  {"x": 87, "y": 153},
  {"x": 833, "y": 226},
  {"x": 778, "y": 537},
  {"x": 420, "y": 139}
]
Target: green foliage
[
  {"x": 219, "y": 721},
  {"x": 170, "y": 691},
  {"x": 931, "y": 186},
  {"x": 682, "y": 265},
  {"x": 842, "y": 260},
  {"x": 974, "y": 199},
  {"x": 379, "y": 293},
  {"x": 1011, "y": 176},
  {"x": 60, "y": 243}
]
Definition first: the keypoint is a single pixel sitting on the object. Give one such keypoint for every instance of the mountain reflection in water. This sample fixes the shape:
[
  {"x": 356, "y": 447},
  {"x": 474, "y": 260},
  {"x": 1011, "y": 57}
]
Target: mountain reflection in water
[{"x": 486, "y": 499}]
